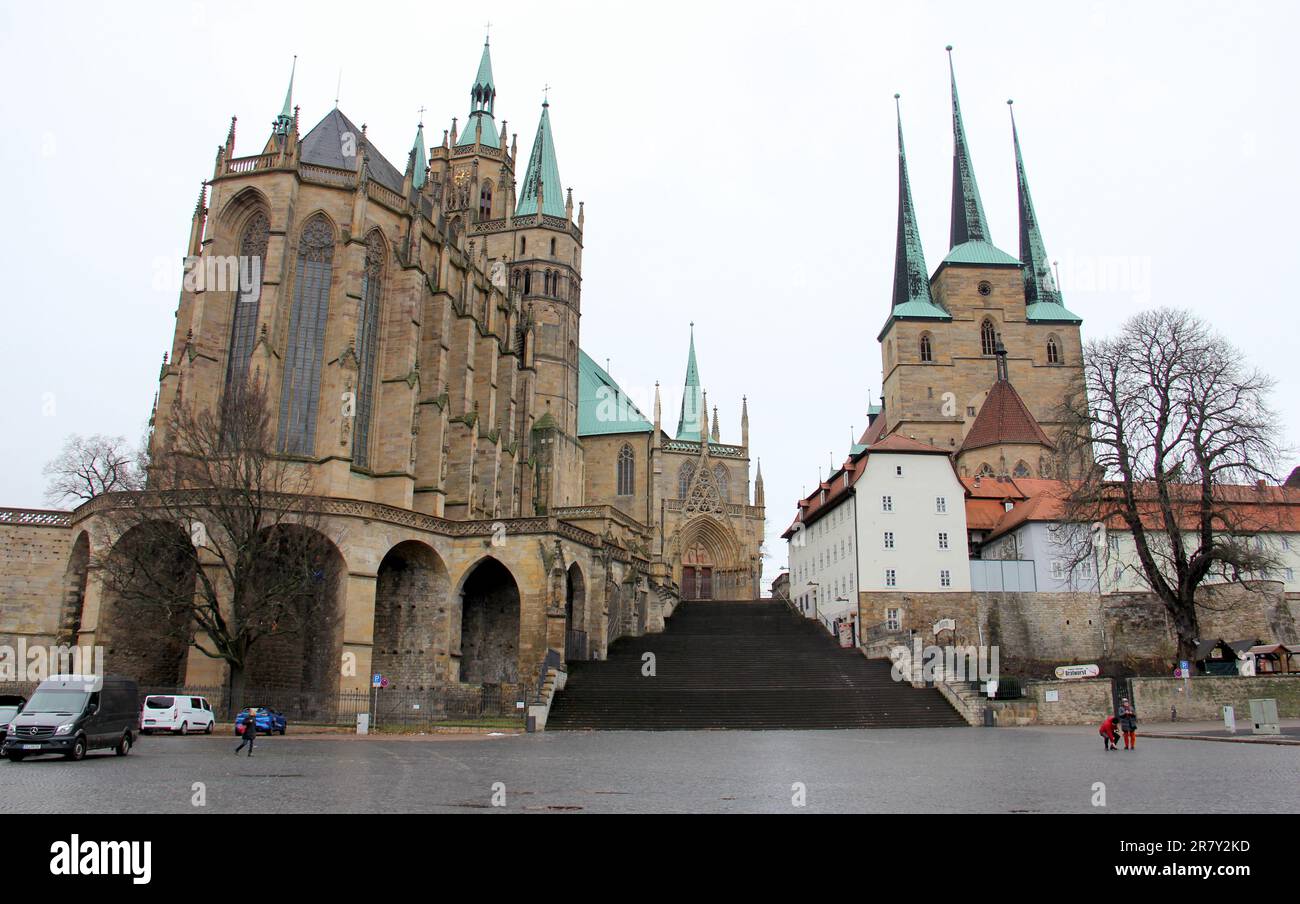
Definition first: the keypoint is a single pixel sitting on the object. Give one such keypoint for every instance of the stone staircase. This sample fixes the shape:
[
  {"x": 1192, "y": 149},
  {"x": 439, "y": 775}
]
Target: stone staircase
[{"x": 741, "y": 665}]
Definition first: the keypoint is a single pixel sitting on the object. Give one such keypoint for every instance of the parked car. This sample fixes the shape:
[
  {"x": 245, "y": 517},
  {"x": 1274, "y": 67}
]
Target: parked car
[
  {"x": 10, "y": 706},
  {"x": 73, "y": 714},
  {"x": 269, "y": 721},
  {"x": 178, "y": 713}
]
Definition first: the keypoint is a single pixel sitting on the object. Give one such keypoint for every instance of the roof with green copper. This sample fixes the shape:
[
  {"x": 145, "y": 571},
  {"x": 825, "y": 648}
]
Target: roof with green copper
[
  {"x": 968, "y": 221},
  {"x": 285, "y": 119},
  {"x": 603, "y": 406},
  {"x": 980, "y": 253},
  {"x": 543, "y": 174},
  {"x": 421, "y": 158},
  {"x": 1042, "y": 295},
  {"x": 689, "y": 424},
  {"x": 480, "y": 127}
]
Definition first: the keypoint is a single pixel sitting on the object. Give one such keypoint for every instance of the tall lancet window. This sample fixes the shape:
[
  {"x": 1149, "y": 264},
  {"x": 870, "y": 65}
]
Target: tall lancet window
[
  {"x": 927, "y": 351},
  {"x": 988, "y": 338},
  {"x": 243, "y": 325},
  {"x": 300, "y": 396},
  {"x": 626, "y": 470},
  {"x": 367, "y": 346}
]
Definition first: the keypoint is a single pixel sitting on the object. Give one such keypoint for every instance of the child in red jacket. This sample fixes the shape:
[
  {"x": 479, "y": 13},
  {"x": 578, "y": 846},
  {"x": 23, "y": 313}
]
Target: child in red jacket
[{"x": 1109, "y": 733}]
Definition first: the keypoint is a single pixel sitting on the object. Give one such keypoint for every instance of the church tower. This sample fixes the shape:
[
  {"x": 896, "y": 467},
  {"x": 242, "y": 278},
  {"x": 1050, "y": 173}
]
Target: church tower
[{"x": 984, "y": 318}]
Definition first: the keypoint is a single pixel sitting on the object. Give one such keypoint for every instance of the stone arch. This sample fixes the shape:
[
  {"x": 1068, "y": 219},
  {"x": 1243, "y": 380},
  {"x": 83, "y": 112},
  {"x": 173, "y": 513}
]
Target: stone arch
[
  {"x": 576, "y": 644},
  {"x": 708, "y": 561},
  {"x": 489, "y": 624},
  {"x": 305, "y": 655},
  {"x": 74, "y": 589},
  {"x": 238, "y": 209},
  {"x": 412, "y": 617},
  {"x": 148, "y": 573}
]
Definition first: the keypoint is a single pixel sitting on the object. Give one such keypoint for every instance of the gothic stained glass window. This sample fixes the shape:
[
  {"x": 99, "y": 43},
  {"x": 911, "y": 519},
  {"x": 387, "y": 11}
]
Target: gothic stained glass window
[
  {"x": 988, "y": 338},
  {"x": 367, "y": 347},
  {"x": 722, "y": 478},
  {"x": 243, "y": 325},
  {"x": 300, "y": 395},
  {"x": 626, "y": 470},
  {"x": 927, "y": 353},
  {"x": 684, "y": 478}
]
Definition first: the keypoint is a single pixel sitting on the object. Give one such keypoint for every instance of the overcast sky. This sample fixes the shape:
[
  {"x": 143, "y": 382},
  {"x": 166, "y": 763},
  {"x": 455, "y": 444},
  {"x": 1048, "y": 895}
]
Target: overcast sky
[{"x": 737, "y": 161}]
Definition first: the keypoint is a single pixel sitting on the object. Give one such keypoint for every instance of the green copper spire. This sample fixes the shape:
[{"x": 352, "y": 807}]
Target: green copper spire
[
  {"x": 542, "y": 175},
  {"x": 421, "y": 158},
  {"x": 911, "y": 278},
  {"x": 968, "y": 221},
  {"x": 1042, "y": 295},
  {"x": 690, "y": 424},
  {"x": 480, "y": 127},
  {"x": 284, "y": 121}
]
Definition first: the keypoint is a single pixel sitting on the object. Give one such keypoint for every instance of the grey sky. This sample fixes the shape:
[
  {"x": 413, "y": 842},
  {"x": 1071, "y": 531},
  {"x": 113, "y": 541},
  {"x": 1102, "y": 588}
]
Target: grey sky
[{"x": 737, "y": 161}]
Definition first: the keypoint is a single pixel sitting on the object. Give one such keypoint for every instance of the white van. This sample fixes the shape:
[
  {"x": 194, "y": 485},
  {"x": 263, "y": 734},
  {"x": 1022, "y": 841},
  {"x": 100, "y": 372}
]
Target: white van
[{"x": 179, "y": 714}]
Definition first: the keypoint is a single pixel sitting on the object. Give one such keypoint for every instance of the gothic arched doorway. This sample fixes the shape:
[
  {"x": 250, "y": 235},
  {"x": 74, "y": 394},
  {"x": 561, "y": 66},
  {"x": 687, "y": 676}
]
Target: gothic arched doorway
[
  {"x": 575, "y": 615},
  {"x": 489, "y": 626}
]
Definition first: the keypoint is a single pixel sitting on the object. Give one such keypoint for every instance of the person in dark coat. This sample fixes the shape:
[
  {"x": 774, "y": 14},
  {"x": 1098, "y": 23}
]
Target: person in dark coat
[
  {"x": 1109, "y": 733},
  {"x": 1128, "y": 724},
  {"x": 250, "y": 732}
]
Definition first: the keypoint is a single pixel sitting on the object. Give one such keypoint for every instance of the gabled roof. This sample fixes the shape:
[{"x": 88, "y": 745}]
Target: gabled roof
[
  {"x": 603, "y": 407},
  {"x": 896, "y": 442},
  {"x": 324, "y": 144},
  {"x": 543, "y": 170},
  {"x": 1004, "y": 420}
]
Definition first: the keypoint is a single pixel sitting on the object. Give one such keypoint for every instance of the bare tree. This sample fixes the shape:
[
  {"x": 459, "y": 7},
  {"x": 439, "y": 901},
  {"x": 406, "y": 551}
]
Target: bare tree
[
  {"x": 229, "y": 550},
  {"x": 89, "y": 466},
  {"x": 1176, "y": 441}
]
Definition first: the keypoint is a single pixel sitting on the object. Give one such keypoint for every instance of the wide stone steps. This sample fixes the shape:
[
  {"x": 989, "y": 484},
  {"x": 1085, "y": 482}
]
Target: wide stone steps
[{"x": 741, "y": 665}]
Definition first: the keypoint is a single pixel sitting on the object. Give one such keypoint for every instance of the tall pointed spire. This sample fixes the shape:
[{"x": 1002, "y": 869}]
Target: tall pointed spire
[
  {"x": 1040, "y": 283},
  {"x": 911, "y": 278},
  {"x": 480, "y": 127},
  {"x": 541, "y": 185},
  {"x": 968, "y": 221},
  {"x": 690, "y": 423},
  {"x": 284, "y": 121},
  {"x": 420, "y": 158}
]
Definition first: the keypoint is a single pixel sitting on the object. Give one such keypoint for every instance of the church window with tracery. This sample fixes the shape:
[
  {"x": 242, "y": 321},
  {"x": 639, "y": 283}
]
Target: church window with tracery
[
  {"x": 243, "y": 326},
  {"x": 308, "y": 318},
  {"x": 626, "y": 471},
  {"x": 367, "y": 346},
  {"x": 927, "y": 353},
  {"x": 988, "y": 338}
]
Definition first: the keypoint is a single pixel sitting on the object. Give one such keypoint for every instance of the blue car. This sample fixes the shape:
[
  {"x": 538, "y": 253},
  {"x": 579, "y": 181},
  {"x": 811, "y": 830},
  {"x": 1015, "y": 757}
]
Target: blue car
[{"x": 269, "y": 721}]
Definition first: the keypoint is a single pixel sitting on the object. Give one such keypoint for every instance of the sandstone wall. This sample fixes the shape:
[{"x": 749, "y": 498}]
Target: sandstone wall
[
  {"x": 1204, "y": 698},
  {"x": 33, "y": 561}
]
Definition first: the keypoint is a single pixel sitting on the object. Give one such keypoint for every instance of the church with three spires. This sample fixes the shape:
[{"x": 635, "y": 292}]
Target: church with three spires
[{"x": 978, "y": 355}]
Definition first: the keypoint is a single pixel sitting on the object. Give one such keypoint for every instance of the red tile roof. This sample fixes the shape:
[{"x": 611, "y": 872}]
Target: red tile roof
[{"x": 1004, "y": 419}]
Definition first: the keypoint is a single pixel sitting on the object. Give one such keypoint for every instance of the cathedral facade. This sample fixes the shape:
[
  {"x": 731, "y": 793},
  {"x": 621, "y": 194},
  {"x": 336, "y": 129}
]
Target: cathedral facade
[{"x": 416, "y": 328}]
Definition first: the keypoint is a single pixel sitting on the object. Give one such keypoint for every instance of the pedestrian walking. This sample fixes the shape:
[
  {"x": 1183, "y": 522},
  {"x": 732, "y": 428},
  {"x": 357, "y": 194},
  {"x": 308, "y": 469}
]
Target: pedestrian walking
[
  {"x": 250, "y": 732},
  {"x": 1109, "y": 733},
  {"x": 1128, "y": 723}
]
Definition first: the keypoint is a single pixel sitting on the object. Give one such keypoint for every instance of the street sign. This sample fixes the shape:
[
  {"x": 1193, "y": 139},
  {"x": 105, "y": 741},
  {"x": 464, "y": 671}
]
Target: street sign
[
  {"x": 377, "y": 681},
  {"x": 383, "y": 682},
  {"x": 1074, "y": 672}
]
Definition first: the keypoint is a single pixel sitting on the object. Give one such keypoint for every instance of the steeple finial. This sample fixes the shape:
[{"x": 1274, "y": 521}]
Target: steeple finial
[
  {"x": 1040, "y": 283},
  {"x": 480, "y": 127},
  {"x": 284, "y": 121},
  {"x": 911, "y": 278},
  {"x": 693, "y": 415},
  {"x": 968, "y": 221}
]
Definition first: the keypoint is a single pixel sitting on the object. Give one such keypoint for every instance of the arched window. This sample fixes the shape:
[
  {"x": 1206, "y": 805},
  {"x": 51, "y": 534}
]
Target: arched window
[
  {"x": 552, "y": 247},
  {"x": 485, "y": 201},
  {"x": 528, "y": 282},
  {"x": 1021, "y": 470},
  {"x": 300, "y": 397},
  {"x": 927, "y": 352},
  {"x": 988, "y": 338},
  {"x": 243, "y": 325},
  {"x": 523, "y": 244},
  {"x": 723, "y": 480},
  {"x": 1053, "y": 350},
  {"x": 626, "y": 470},
  {"x": 985, "y": 470},
  {"x": 453, "y": 231},
  {"x": 367, "y": 347},
  {"x": 684, "y": 478}
]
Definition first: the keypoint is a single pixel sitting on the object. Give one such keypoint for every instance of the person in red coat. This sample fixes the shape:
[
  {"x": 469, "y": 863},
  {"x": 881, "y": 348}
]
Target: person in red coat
[{"x": 1109, "y": 733}]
